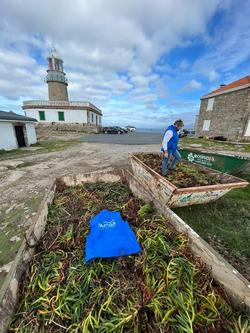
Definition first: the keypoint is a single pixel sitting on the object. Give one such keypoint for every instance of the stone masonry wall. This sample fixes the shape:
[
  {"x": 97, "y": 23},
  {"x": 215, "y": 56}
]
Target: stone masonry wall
[
  {"x": 68, "y": 128},
  {"x": 57, "y": 91},
  {"x": 229, "y": 116}
]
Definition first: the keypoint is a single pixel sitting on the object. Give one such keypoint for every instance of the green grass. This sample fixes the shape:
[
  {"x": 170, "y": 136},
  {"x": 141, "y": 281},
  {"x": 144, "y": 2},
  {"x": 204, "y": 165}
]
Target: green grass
[
  {"x": 50, "y": 146},
  {"x": 216, "y": 144},
  {"x": 45, "y": 147},
  {"x": 224, "y": 223}
]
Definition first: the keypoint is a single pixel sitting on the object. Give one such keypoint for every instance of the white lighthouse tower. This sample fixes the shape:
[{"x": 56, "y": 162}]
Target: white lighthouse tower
[{"x": 58, "y": 110}]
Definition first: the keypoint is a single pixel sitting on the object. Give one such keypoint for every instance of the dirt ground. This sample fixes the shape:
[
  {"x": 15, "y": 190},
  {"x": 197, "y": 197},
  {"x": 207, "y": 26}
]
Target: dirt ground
[{"x": 23, "y": 181}]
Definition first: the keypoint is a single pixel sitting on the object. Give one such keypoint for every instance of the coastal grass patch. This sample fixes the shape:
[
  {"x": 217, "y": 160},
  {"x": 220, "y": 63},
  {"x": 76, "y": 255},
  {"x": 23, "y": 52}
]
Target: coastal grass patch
[
  {"x": 42, "y": 147},
  {"x": 55, "y": 145},
  {"x": 225, "y": 224},
  {"x": 221, "y": 145}
]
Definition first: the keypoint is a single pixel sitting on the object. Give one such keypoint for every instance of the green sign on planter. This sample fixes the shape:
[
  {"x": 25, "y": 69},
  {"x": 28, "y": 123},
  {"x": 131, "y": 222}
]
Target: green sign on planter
[{"x": 220, "y": 162}]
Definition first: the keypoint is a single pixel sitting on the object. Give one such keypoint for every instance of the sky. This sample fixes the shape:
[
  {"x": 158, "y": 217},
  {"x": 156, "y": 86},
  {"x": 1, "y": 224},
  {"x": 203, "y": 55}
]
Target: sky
[{"x": 143, "y": 63}]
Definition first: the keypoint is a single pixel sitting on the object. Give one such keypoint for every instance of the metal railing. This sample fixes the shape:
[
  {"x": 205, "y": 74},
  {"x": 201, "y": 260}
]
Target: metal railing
[{"x": 60, "y": 103}]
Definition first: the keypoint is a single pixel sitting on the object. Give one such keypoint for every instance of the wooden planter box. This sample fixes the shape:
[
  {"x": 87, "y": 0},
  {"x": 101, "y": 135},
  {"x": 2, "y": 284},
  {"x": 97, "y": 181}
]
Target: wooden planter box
[
  {"x": 168, "y": 194},
  {"x": 235, "y": 285}
]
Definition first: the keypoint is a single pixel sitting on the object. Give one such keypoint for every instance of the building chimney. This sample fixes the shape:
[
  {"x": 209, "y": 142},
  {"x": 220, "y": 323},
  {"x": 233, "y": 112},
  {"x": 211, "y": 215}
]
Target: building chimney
[{"x": 222, "y": 85}]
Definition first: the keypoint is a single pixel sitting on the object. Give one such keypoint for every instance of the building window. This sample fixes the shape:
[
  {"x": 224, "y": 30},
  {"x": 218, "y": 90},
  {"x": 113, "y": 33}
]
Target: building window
[
  {"x": 247, "y": 131},
  {"x": 92, "y": 117},
  {"x": 206, "y": 125},
  {"x": 210, "y": 104},
  {"x": 41, "y": 115},
  {"x": 61, "y": 116}
]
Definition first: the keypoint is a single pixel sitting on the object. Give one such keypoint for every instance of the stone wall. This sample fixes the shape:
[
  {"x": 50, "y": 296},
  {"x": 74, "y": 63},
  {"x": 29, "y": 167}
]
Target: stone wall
[
  {"x": 57, "y": 91},
  {"x": 229, "y": 116},
  {"x": 83, "y": 128}
]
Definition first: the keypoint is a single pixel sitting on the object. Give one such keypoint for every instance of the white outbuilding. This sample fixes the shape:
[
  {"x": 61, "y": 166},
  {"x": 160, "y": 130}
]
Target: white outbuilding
[{"x": 16, "y": 131}]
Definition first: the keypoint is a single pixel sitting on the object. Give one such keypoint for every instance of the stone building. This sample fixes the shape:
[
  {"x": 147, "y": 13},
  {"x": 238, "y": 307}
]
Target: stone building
[
  {"x": 58, "y": 110},
  {"x": 226, "y": 111}
]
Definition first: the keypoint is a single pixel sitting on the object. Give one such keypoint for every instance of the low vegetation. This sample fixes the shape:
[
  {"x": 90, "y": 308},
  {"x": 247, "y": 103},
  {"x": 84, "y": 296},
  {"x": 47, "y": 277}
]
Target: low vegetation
[
  {"x": 225, "y": 224},
  {"x": 42, "y": 147},
  {"x": 162, "y": 289},
  {"x": 216, "y": 145}
]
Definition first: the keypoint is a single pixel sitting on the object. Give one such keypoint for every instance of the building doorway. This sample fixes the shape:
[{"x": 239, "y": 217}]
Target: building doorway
[{"x": 20, "y": 136}]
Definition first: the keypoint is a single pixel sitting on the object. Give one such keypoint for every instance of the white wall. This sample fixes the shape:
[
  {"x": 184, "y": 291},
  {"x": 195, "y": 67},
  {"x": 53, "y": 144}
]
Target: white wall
[
  {"x": 51, "y": 115},
  {"x": 247, "y": 131},
  {"x": 7, "y": 136},
  {"x": 31, "y": 133}
]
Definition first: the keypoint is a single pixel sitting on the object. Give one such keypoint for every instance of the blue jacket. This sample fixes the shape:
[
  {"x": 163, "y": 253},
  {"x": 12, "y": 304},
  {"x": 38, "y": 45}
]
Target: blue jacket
[{"x": 173, "y": 142}]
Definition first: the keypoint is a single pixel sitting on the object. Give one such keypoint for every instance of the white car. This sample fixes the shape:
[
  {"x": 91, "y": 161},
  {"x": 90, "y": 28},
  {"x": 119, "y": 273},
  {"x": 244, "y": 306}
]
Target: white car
[{"x": 131, "y": 128}]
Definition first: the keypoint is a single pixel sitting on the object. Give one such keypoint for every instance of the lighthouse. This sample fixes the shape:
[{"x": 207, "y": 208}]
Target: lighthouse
[
  {"x": 56, "y": 78},
  {"x": 58, "y": 110}
]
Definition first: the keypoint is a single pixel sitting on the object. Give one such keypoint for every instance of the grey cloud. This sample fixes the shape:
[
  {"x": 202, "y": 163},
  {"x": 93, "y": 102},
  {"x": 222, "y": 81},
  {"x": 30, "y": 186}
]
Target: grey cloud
[{"x": 191, "y": 85}]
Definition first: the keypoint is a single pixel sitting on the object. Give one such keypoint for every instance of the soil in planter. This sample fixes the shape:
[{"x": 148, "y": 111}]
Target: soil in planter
[
  {"x": 162, "y": 289},
  {"x": 184, "y": 175}
]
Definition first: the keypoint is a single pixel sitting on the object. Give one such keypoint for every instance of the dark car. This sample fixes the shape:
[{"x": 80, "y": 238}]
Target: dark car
[
  {"x": 120, "y": 129},
  {"x": 111, "y": 130},
  {"x": 184, "y": 133}
]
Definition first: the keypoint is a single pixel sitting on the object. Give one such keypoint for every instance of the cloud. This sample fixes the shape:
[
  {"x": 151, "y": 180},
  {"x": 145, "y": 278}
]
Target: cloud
[
  {"x": 184, "y": 65},
  {"x": 119, "y": 49},
  {"x": 191, "y": 85}
]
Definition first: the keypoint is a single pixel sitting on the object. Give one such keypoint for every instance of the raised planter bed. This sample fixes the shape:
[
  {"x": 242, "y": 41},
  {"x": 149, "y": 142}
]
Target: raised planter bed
[
  {"x": 128, "y": 294},
  {"x": 173, "y": 196}
]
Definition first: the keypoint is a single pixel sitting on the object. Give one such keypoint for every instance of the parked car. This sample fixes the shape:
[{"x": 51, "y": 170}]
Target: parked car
[
  {"x": 192, "y": 133},
  {"x": 120, "y": 129},
  {"x": 111, "y": 130},
  {"x": 184, "y": 133},
  {"x": 131, "y": 128}
]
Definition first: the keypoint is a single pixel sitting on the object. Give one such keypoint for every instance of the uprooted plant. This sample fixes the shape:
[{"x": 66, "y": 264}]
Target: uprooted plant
[
  {"x": 162, "y": 289},
  {"x": 185, "y": 174}
]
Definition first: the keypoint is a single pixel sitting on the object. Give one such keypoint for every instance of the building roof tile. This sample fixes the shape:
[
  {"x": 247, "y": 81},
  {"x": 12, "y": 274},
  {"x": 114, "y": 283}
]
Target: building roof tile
[{"x": 236, "y": 84}]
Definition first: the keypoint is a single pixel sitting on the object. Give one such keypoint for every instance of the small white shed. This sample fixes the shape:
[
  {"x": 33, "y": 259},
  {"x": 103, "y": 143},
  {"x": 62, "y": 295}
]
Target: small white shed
[{"x": 16, "y": 130}]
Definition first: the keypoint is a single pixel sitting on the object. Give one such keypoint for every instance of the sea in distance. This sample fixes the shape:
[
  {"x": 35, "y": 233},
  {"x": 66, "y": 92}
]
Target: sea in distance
[{"x": 150, "y": 130}]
